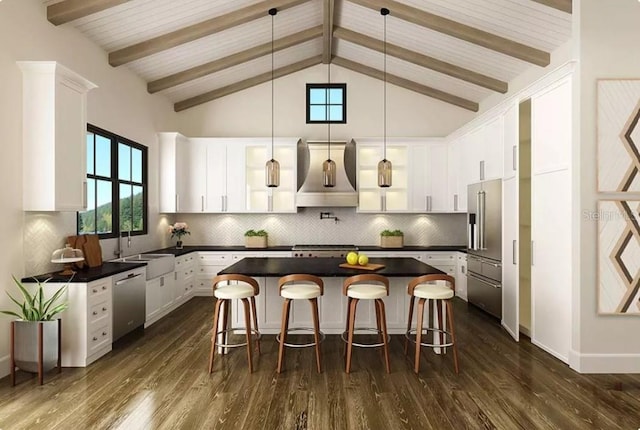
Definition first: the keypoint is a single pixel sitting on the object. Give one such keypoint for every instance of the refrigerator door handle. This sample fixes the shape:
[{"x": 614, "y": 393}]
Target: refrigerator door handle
[
  {"x": 477, "y": 278},
  {"x": 481, "y": 219},
  {"x": 513, "y": 251}
]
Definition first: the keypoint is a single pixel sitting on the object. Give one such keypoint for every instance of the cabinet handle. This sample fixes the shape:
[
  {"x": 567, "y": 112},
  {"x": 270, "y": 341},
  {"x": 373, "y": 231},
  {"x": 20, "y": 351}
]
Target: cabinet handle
[
  {"x": 515, "y": 157},
  {"x": 104, "y": 309},
  {"x": 104, "y": 288},
  {"x": 104, "y": 333},
  {"x": 95, "y": 338},
  {"x": 202, "y": 201},
  {"x": 95, "y": 291},
  {"x": 95, "y": 313},
  {"x": 221, "y": 205},
  {"x": 177, "y": 202},
  {"x": 428, "y": 203},
  {"x": 84, "y": 195},
  {"x": 462, "y": 269},
  {"x": 513, "y": 252},
  {"x": 270, "y": 203},
  {"x": 455, "y": 203},
  {"x": 482, "y": 170}
]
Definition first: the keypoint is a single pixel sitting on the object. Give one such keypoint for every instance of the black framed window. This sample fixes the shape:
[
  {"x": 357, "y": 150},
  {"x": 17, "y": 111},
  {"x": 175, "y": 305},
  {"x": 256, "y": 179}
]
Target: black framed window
[
  {"x": 116, "y": 185},
  {"x": 326, "y": 103}
]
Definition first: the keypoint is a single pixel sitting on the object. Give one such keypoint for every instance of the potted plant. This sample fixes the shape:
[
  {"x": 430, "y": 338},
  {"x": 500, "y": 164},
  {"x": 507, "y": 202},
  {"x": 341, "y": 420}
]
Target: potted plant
[
  {"x": 391, "y": 239},
  {"x": 256, "y": 239},
  {"x": 35, "y": 310},
  {"x": 179, "y": 229}
]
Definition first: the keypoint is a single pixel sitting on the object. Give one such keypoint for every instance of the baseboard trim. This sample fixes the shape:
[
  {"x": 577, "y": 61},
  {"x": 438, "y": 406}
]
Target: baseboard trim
[
  {"x": 605, "y": 363},
  {"x": 5, "y": 366},
  {"x": 551, "y": 351}
]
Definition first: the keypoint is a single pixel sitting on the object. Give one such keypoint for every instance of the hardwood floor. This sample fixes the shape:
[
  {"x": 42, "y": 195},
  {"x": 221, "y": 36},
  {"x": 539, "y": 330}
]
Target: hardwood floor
[{"x": 159, "y": 380}]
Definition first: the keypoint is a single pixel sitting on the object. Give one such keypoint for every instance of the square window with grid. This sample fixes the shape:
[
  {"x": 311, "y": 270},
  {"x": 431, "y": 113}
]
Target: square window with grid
[{"x": 326, "y": 103}]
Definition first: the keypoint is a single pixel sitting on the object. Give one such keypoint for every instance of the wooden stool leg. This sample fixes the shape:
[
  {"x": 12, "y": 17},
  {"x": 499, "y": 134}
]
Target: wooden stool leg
[
  {"x": 406, "y": 341},
  {"x": 59, "y": 345},
  {"x": 383, "y": 322},
  {"x": 12, "y": 359},
  {"x": 214, "y": 335},
  {"x": 378, "y": 324},
  {"x": 316, "y": 331},
  {"x": 346, "y": 329},
  {"x": 416, "y": 365},
  {"x": 440, "y": 326},
  {"x": 40, "y": 358},
  {"x": 453, "y": 334},
  {"x": 254, "y": 312},
  {"x": 247, "y": 324},
  {"x": 224, "y": 310},
  {"x": 352, "y": 325},
  {"x": 283, "y": 332}
]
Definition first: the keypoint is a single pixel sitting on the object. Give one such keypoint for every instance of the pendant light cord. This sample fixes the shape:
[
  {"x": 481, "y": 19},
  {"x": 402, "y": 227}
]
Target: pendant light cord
[
  {"x": 384, "y": 155},
  {"x": 272, "y": 92},
  {"x": 328, "y": 102}
]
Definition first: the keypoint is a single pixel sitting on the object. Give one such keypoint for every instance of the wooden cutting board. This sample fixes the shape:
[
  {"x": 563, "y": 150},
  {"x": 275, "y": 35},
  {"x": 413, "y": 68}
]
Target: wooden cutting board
[
  {"x": 92, "y": 250},
  {"x": 77, "y": 242},
  {"x": 370, "y": 266}
]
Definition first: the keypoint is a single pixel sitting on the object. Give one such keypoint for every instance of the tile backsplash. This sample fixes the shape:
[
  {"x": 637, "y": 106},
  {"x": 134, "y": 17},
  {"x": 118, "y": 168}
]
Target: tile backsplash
[{"x": 306, "y": 227}]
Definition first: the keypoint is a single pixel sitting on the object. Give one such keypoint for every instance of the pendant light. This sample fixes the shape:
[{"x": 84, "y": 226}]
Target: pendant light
[
  {"x": 272, "y": 168},
  {"x": 329, "y": 166},
  {"x": 384, "y": 166}
]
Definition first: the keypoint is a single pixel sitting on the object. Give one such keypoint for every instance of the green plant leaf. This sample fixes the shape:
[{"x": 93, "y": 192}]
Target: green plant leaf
[
  {"x": 25, "y": 293},
  {"x": 13, "y": 314},
  {"x": 53, "y": 299},
  {"x": 53, "y": 312}
]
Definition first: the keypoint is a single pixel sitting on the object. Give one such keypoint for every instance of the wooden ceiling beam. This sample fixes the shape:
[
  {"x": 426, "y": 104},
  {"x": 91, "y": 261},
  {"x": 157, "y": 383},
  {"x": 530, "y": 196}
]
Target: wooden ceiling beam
[
  {"x": 460, "y": 31},
  {"x": 327, "y": 23},
  {"x": 247, "y": 83},
  {"x": 422, "y": 60},
  {"x": 563, "y": 5},
  {"x": 233, "y": 60},
  {"x": 197, "y": 31},
  {"x": 69, "y": 10},
  {"x": 407, "y": 84}
]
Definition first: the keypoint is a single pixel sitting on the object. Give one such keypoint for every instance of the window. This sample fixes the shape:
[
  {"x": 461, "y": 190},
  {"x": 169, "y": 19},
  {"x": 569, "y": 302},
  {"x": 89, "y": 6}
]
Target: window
[
  {"x": 326, "y": 103},
  {"x": 116, "y": 185}
]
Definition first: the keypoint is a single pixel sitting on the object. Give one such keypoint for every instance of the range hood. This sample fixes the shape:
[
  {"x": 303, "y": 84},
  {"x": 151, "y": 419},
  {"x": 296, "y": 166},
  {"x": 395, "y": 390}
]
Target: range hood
[{"x": 311, "y": 192}]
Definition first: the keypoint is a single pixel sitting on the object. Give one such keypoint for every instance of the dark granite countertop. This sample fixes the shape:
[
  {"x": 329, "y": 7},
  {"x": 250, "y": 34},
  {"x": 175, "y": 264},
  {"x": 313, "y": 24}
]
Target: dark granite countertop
[
  {"x": 87, "y": 274},
  {"x": 287, "y": 248},
  {"x": 327, "y": 267}
]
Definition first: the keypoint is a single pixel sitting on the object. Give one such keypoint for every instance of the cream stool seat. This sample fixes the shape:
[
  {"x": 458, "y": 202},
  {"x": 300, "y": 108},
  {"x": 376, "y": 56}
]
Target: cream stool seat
[
  {"x": 368, "y": 286},
  {"x": 300, "y": 291},
  {"x": 367, "y": 291},
  {"x": 433, "y": 291},
  {"x": 245, "y": 289},
  {"x": 438, "y": 289},
  {"x": 300, "y": 287},
  {"x": 241, "y": 290}
]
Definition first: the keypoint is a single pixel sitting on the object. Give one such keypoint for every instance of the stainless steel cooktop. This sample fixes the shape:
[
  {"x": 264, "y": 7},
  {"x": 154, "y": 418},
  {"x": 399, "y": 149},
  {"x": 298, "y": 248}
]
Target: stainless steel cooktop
[{"x": 337, "y": 251}]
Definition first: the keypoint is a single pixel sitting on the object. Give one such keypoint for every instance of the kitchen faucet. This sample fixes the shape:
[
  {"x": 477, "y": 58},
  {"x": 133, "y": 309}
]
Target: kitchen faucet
[{"x": 118, "y": 252}]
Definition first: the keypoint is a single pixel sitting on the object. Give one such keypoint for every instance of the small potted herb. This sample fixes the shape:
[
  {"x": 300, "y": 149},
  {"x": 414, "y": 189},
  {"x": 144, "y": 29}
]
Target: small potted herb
[
  {"x": 256, "y": 239},
  {"x": 33, "y": 311},
  {"x": 391, "y": 239}
]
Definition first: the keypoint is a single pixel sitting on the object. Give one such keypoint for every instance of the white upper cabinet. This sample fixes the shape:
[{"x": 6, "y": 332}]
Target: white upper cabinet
[
  {"x": 491, "y": 166},
  {"x": 511, "y": 126},
  {"x": 225, "y": 174},
  {"x": 455, "y": 193},
  {"x": 372, "y": 198},
  {"x": 54, "y": 127},
  {"x": 428, "y": 177}
]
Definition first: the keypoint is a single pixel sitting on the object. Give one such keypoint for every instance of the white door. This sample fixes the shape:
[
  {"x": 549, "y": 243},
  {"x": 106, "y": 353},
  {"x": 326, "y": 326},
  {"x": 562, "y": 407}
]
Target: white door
[
  {"x": 216, "y": 176},
  {"x": 491, "y": 167},
  {"x": 510, "y": 285},
  {"x": 437, "y": 178},
  {"x": 191, "y": 178},
  {"x": 236, "y": 177},
  {"x": 511, "y": 138}
]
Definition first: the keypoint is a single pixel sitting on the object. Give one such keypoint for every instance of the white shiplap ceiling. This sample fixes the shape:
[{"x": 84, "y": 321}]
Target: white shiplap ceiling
[{"x": 118, "y": 24}]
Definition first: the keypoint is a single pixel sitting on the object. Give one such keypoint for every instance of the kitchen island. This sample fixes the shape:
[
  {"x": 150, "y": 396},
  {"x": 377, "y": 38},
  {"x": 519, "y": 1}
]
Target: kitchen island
[{"x": 333, "y": 304}]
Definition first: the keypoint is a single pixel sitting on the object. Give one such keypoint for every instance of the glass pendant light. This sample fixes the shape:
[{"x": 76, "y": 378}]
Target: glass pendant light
[
  {"x": 384, "y": 166},
  {"x": 329, "y": 166},
  {"x": 272, "y": 168}
]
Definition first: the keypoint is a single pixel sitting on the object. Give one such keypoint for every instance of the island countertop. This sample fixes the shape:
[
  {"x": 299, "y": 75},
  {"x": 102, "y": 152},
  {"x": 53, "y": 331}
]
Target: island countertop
[{"x": 326, "y": 267}]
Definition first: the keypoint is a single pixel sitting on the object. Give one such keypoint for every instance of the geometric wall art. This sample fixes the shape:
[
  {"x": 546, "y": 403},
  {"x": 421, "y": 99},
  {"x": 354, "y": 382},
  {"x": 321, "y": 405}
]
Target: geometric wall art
[
  {"x": 619, "y": 257},
  {"x": 618, "y": 135}
]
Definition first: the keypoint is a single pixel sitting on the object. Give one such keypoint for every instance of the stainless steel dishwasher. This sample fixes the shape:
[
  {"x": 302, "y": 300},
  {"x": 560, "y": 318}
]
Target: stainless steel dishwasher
[{"x": 128, "y": 301}]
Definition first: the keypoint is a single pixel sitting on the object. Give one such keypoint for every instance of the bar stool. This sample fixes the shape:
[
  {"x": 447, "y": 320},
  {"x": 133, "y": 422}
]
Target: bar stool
[
  {"x": 300, "y": 287},
  {"x": 438, "y": 289},
  {"x": 366, "y": 287},
  {"x": 245, "y": 289}
]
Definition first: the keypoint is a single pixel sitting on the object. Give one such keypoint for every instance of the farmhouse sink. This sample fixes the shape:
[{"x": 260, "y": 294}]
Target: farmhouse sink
[{"x": 157, "y": 264}]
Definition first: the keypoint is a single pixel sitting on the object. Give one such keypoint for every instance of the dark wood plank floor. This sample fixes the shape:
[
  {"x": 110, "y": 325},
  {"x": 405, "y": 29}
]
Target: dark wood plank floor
[{"x": 159, "y": 380}]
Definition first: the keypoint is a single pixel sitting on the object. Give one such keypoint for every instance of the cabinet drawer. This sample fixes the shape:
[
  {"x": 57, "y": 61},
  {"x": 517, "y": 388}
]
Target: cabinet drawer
[
  {"x": 99, "y": 291},
  {"x": 99, "y": 313},
  {"x": 214, "y": 259},
  {"x": 184, "y": 260},
  {"x": 98, "y": 338}
]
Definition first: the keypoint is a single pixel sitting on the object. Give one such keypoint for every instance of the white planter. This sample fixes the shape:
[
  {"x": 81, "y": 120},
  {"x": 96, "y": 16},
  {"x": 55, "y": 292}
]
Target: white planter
[
  {"x": 26, "y": 345},
  {"x": 391, "y": 241},
  {"x": 255, "y": 241}
]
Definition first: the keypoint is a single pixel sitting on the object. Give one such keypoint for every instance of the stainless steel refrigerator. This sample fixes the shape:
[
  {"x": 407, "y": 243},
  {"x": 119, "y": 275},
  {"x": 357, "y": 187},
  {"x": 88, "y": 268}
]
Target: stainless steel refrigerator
[{"x": 484, "y": 260}]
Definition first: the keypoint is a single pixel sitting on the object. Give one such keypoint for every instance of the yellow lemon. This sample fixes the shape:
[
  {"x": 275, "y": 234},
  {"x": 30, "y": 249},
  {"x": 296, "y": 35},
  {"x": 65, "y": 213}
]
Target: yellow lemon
[
  {"x": 352, "y": 258},
  {"x": 363, "y": 260}
]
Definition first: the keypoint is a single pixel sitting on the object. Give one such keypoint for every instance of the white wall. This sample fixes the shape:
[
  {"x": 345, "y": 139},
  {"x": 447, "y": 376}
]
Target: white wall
[
  {"x": 608, "y": 49},
  {"x": 120, "y": 104},
  {"x": 248, "y": 112}
]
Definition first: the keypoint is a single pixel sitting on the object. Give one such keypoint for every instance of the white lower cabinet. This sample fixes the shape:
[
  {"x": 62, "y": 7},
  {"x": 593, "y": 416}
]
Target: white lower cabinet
[
  {"x": 185, "y": 277},
  {"x": 87, "y": 322},
  {"x": 159, "y": 298},
  {"x": 461, "y": 276},
  {"x": 208, "y": 266}
]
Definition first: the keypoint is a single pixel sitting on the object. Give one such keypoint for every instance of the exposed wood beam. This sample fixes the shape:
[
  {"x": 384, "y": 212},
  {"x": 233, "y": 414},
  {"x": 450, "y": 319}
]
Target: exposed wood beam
[
  {"x": 422, "y": 60},
  {"x": 563, "y": 5},
  {"x": 405, "y": 83},
  {"x": 197, "y": 31},
  {"x": 328, "y": 20},
  {"x": 460, "y": 31},
  {"x": 69, "y": 10},
  {"x": 233, "y": 60},
  {"x": 247, "y": 83}
]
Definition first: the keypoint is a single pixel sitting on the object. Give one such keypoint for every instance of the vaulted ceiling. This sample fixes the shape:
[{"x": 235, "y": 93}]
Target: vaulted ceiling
[{"x": 194, "y": 51}]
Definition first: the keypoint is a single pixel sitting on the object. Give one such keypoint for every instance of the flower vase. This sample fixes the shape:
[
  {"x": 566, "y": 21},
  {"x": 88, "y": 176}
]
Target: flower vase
[{"x": 179, "y": 244}]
